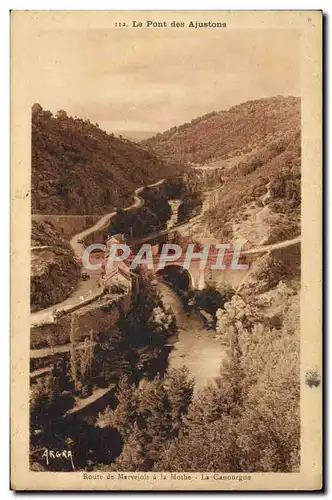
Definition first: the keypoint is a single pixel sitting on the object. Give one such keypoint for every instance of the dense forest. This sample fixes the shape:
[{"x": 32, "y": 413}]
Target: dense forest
[{"x": 77, "y": 168}]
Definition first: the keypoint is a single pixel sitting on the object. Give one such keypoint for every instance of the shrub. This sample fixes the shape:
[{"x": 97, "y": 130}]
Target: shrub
[{"x": 211, "y": 299}]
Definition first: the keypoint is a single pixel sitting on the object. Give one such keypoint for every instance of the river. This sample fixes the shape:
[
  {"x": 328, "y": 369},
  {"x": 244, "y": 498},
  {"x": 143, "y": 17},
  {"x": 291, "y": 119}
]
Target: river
[{"x": 195, "y": 346}]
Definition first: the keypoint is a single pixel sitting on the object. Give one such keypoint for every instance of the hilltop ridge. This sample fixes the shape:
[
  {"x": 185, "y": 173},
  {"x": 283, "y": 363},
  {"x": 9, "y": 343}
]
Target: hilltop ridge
[{"x": 224, "y": 134}]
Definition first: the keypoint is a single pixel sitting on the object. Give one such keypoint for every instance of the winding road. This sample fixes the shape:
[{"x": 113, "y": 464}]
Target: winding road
[{"x": 104, "y": 221}]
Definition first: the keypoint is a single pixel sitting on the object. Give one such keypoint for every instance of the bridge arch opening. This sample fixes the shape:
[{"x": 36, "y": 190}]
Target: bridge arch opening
[{"x": 181, "y": 279}]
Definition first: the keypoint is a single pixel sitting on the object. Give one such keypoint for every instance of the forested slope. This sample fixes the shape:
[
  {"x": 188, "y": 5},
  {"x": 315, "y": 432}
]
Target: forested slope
[
  {"x": 225, "y": 134},
  {"x": 77, "y": 168}
]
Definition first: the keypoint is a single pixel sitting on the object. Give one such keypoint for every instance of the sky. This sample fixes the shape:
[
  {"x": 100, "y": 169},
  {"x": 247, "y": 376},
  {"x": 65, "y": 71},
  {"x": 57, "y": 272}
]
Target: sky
[{"x": 132, "y": 83}]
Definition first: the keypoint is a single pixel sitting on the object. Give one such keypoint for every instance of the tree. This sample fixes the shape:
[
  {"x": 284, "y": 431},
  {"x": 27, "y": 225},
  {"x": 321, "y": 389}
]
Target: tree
[
  {"x": 207, "y": 448},
  {"x": 123, "y": 417},
  {"x": 132, "y": 457},
  {"x": 47, "y": 403},
  {"x": 148, "y": 416},
  {"x": 43, "y": 396},
  {"x": 211, "y": 299},
  {"x": 191, "y": 204},
  {"x": 153, "y": 418},
  {"x": 61, "y": 114},
  {"x": 141, "y": 316},
  {"x": 36, "y": 109},
  {"x": 179, "y": 387}
]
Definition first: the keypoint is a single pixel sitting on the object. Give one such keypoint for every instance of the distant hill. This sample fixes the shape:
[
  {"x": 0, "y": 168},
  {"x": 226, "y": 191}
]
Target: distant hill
[
  {"x": 77, "y": 168},
  {"x": 255, "y": 150},
  {"x": 136, "y": 135},
  {"x": 224, "y": 134}
]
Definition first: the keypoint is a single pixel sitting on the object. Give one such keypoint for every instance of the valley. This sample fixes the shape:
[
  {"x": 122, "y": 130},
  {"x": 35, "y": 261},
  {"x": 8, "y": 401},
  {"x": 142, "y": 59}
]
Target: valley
[{"x": 116, "y": 349}]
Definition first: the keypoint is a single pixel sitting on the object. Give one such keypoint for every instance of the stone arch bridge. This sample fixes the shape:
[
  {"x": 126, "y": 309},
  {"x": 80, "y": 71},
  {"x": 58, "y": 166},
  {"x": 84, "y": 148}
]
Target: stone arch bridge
[{"x": 236, "y": 268}]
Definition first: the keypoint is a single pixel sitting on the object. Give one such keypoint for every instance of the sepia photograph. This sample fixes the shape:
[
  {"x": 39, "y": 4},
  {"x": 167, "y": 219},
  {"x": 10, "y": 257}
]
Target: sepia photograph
[{"x": 164, "y": 249}]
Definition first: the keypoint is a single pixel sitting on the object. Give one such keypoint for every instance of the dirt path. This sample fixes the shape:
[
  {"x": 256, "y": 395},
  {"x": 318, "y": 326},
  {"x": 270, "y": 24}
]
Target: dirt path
[
  {"x": 274, "y": 246},
  {"x": 50, "y": 351}
]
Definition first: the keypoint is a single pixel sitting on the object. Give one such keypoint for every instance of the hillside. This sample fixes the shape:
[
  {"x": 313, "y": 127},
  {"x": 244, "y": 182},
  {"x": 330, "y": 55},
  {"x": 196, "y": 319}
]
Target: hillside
[
  {"x": 54, "y": 271},
  {"x": 77, "y": 168},
  {"x": 225, "y": 134},
  {"x": 260, "y": 200},
  {"x": 254, "y": 149}
]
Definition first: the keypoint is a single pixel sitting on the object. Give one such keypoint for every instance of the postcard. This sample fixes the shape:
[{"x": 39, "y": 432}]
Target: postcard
[{"x": 166, "y": 250}]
